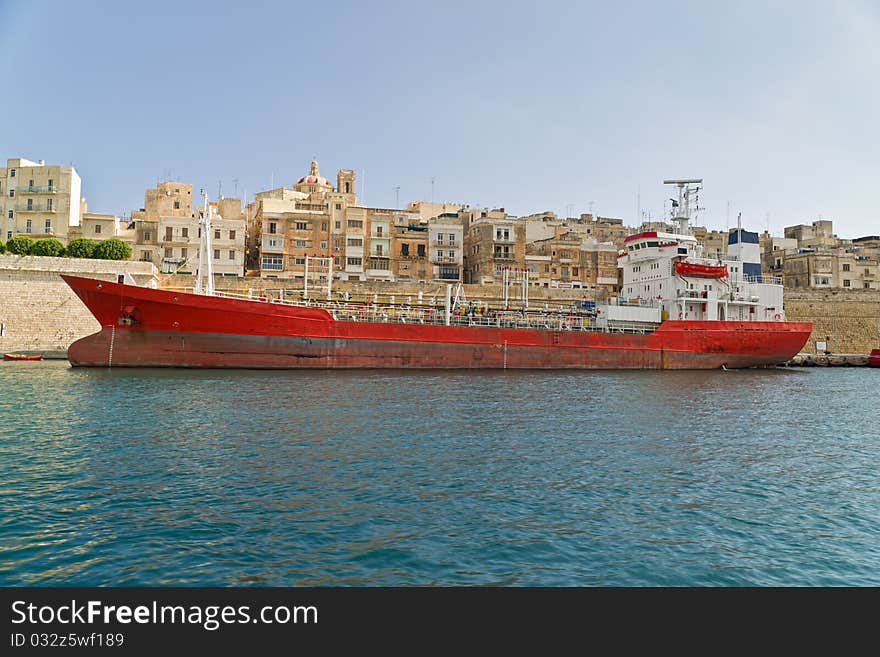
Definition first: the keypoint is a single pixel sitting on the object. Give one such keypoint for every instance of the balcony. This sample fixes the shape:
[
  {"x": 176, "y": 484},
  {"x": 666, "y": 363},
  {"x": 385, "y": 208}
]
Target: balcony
[
  {"x": 500, "y": 255},
  {"x": 445, "y": 259},
  {"x": 504, "y": 240},
  {"x": 37, "y": 189},
  {"x": 445, "y": 244},
  {"x": 36, "y": 209}
]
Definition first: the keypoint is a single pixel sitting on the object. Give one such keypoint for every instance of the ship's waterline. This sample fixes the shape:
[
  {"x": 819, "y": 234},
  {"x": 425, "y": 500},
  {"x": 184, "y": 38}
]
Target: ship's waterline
[{"x": 191, "y": 477}]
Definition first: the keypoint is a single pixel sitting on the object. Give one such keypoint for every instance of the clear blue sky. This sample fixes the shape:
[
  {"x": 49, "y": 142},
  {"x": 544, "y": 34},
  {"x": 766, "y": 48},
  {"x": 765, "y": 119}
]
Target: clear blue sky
[{"x": 530, "y": 106}]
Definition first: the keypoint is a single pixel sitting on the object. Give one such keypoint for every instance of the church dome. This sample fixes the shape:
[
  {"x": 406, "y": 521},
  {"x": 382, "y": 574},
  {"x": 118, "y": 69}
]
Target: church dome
[{"x": 314, "y": 177}]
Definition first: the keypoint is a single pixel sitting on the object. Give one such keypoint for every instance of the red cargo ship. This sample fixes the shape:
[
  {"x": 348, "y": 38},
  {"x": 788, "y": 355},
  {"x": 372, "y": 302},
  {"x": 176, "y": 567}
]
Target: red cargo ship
[
  {"x": 142, "y": 327},
  {"x": 677, "y": 311}
]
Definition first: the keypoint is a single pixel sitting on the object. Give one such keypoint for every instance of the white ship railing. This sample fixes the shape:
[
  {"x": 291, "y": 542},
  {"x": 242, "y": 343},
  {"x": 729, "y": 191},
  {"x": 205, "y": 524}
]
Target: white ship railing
[{"x": 346, "y": 311}]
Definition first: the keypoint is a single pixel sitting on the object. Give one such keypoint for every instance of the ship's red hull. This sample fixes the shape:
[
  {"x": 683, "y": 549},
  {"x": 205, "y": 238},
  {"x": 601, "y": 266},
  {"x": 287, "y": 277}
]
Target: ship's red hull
[{"x": 156, "y": 328}]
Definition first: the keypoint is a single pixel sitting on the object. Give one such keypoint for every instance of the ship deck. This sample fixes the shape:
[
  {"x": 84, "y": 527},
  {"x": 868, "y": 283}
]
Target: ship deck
[{"x": 561, "y": 319}]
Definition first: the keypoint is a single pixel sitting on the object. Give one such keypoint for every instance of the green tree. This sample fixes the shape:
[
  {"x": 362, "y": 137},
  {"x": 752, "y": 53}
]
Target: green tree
[
  {"x": 81, "y": 247},
  {"x": 2, "y": 247},
  {"x": 20, "y": 245},
  {"x": 112, "y": 249},
  {"x": 48, "y": 246}
]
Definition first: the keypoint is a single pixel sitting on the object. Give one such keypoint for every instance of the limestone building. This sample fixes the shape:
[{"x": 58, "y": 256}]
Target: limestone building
[{"x": 38, "y": 200}]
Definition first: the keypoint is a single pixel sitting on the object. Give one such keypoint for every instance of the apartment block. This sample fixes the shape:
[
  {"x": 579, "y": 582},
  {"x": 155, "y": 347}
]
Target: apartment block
[{"x": 38, "y": 200}]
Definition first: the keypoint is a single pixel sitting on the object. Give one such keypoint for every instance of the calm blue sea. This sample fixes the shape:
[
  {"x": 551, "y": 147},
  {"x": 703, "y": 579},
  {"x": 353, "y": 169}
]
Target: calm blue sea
[{"x": 162, "y": 477}]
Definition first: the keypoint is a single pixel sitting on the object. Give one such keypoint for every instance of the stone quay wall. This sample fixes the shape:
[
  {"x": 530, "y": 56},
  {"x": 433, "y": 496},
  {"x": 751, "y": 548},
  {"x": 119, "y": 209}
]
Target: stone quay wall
[
  {"x": 847, "y": 320},
  {"x": 39, "y": 312}
]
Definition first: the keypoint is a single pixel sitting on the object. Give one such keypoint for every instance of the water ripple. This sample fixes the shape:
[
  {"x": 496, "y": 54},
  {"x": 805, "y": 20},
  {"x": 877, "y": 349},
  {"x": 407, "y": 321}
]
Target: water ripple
[{"x": 401, "y": 478}]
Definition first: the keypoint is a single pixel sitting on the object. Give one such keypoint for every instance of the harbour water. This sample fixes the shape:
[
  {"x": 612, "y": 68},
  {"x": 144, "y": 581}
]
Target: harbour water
[{"x": 152, "y": 477}]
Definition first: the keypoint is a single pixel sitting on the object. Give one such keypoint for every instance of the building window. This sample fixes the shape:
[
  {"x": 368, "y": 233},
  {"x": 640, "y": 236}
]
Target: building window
[
  {"x": 299, "y": 261},
  {"x": 231, "y": 254},
  {"x": 183, "y": 253},
  {"x": 404, "y": 249},
  {"x": 30, "y": 185},
  {"x": 48, "y": 226},
  {"x": 28, "y": 226},
  {"x": 177, "y": 205},
  {"x": 217, "y": 237},
  {"x": 232, "y": 234},
  {"x": 338, "y": 225},
  {"x": 352, "y": 241},
  {"x": 30, "y": 204},
  {"x": 301, "y": 225},
  {"x": 273, "y": 227},
  {"x": 169, "y": 252},
  {"x": 378, "y": 249},
  {"x": 300, "y": 244},
  {"x": 169, "y": 233},
  {"x": 355, "y": 223},
  {"x": 9, "y": 237},
  {"x": 420, "y": 250},
  {"x": 216, "y": 254},
  {"x": 846, "y": 266},
  {"x": 184, "y": 232},
  {"x": 379, "y": 231},
  {"x": 147, "y": 236},
  {"x": 439, "y": 254},
  {"x": 49, "y": 204},
  {"x": 12, "y": 173},
  {"x": 846, "y": 283},
  {"x": 145, "y": 256},
  {"x": 338, "y": 207},
  {"x": 10, "y": 214},
  {"x": 355, "y": 262},
  {"x": 51, "y": 185},
  {"x": 324, "y": 225},
  {"x": 323, "y": 244},
  {"x": 452, "y": 238},
  {"x": 337, "y": 244},
  {"x": 272, "y": 262}
]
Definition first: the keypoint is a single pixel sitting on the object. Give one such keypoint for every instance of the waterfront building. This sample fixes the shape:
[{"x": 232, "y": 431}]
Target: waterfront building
[
  {"x": 830, "y": 269},
  {"x": 446, "y": 239},
  {"x": 38, "y": 199},
  {"x": 492, "y": 243},
  {"x": 410, "y": 244},
  {"x": 819, "y": 234},
  {"x": 317, "y": 219},
  {"x": 166, "y": 232},
  {"x": 569, "y": 260}
]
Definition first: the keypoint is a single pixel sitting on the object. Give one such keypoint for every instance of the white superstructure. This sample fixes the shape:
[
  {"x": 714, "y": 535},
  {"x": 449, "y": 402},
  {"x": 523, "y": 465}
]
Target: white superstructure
[{"x": 667, "y": 272}]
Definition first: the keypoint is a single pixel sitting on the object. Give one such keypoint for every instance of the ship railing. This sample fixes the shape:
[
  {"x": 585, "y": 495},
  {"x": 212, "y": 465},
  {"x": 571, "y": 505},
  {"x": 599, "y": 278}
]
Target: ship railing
[{"x": 347, "y": 311}]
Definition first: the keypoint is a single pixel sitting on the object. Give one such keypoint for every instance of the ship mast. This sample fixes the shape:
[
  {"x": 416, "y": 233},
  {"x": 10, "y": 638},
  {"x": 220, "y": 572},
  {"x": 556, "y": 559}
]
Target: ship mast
[
  {"x": 206, "y": 264},
  {"x": 681, "y": 209}
]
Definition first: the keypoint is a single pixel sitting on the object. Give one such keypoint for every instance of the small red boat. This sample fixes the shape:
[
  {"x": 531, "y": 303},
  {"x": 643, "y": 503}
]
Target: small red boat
[
  {"x": 22, "y": 357},
  {"x": 683, "y": 268},
  {"x": 874, "y": 358}
]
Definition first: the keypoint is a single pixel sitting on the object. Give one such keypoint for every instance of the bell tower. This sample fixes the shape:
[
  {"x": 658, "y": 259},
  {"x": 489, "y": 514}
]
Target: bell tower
[{"x": 345, "y": 184}]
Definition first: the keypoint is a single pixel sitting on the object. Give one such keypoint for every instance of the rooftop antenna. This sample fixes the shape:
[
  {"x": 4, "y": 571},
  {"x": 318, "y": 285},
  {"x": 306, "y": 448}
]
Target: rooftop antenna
[
  {"x": 639, "y": 202},
  {"x": 219, "y": 189},
  {"x": 235, "y": 187},
  {"x": 397, "y": 196}
]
